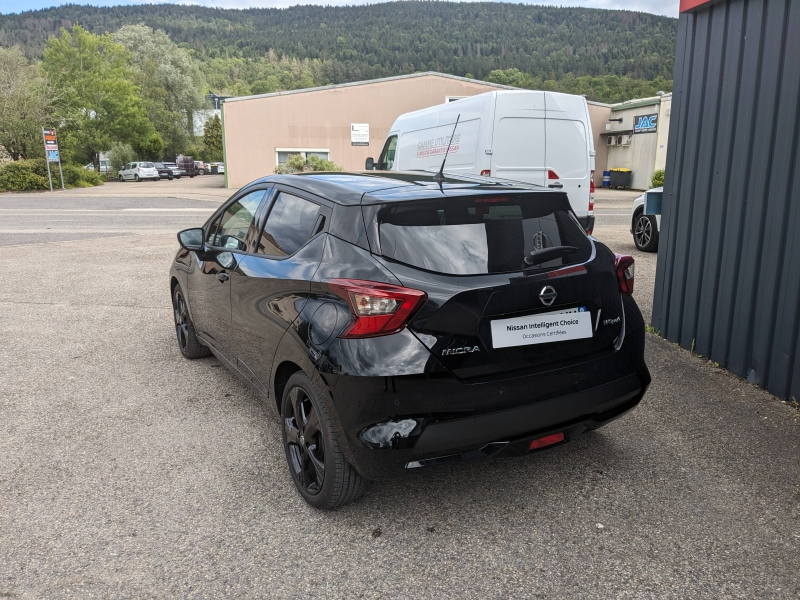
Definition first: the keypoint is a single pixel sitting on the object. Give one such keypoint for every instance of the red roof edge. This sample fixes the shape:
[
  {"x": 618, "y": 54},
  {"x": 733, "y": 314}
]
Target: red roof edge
[{"x": 687, "y": 5}]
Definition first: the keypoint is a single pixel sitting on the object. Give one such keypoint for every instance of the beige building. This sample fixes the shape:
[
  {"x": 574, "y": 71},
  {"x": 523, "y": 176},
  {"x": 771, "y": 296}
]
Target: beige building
[
  {"x": 344, "y": 123},
  {"x": 635, "y": 137}
]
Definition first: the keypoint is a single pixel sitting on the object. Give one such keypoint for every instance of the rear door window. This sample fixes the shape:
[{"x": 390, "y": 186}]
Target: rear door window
[
  {"x": 481, "y": 235},
  {"x": 288, "y": 226}
]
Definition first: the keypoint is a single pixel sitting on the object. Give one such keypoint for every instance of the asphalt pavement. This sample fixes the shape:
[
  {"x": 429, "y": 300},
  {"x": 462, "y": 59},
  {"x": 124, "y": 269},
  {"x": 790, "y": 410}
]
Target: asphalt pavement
[{"x": 127, "y": 471}]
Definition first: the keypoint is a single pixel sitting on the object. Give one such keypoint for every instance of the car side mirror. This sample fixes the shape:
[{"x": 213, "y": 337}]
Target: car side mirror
[
  {"x": 192, "y": 239},
  {"x": 370, "y": 164}
]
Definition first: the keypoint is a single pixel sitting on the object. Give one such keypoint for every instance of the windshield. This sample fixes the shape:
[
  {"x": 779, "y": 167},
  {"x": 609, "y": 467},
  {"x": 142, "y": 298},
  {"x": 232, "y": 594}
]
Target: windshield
[{"x": 480, "y": 235}]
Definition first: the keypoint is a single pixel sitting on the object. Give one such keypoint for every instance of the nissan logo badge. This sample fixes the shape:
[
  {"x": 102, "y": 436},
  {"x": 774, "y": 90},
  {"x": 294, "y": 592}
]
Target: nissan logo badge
[{"x": 547, "y": 295}]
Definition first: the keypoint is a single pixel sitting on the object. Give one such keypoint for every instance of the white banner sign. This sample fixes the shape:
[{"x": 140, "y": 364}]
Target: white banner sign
[
  {"x": 359, "y": 134},
  {"x": 542, "y": 329}
]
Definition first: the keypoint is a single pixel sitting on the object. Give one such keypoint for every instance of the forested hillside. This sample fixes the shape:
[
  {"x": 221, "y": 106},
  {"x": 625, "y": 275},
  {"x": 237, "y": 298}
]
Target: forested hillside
[{"x": 607, "y": 55}]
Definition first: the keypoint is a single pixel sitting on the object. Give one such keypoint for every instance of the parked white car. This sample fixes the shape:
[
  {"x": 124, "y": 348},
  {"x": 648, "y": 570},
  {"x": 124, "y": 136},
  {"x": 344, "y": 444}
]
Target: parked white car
[
  {"x": 138, "y": 171},
  {"x": 644, "y": 227}
]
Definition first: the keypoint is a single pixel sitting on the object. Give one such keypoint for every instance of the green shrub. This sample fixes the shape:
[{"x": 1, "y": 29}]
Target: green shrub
[
  {"x": 38, "y": 166},
  {"x": 17, "y": 176},
  {"x": 91, "y": 178},
  {"x": 658, "y": 179},
  {"x": 297, "y": 164},
  {"x": 73, "y": 174}
]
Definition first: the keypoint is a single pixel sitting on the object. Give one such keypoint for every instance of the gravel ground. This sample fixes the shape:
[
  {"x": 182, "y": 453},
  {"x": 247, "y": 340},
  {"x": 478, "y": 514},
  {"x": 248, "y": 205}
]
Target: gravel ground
[{"x": 127, "y": 471}]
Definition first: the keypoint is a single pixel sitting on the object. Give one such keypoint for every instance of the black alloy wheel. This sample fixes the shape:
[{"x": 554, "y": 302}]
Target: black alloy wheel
[
  {"x": 320, "y": 472},
  {"x": 645, "y": 232},
  {"x": 188, "y": 343},
  {"x": 305, "y": 445}
]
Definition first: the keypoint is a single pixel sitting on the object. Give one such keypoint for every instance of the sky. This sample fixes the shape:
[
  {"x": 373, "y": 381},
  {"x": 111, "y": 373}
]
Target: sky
[{"x": 659, "y": 7}]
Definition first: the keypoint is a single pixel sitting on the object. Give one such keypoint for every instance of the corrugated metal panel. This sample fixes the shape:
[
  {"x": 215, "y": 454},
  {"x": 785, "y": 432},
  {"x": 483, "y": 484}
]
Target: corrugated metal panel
[{"x": 728, "y": 278}]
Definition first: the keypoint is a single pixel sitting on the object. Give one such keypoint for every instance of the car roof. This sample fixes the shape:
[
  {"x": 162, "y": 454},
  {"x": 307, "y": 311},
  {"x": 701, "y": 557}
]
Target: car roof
[{"x": 352, "y": 188}]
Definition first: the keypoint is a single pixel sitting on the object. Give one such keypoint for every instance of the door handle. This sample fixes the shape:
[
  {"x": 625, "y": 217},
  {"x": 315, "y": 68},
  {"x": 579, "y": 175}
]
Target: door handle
[
  {"x": 223, "y": 277},
  {"x": 556, "y": 185}
]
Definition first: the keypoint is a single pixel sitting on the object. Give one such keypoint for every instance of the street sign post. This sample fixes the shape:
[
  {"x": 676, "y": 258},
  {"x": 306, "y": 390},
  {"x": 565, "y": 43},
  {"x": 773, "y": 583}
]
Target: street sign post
[{"x": 51, "y": 154}]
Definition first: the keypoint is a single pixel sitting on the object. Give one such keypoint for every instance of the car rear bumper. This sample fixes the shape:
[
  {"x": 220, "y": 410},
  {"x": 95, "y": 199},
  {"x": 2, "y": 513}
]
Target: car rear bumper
[{"x": 451, "y": 430}]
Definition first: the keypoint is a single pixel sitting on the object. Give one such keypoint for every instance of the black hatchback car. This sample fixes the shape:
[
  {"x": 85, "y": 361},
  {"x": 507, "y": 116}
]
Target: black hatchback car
[{"x": 395, "y": 322}]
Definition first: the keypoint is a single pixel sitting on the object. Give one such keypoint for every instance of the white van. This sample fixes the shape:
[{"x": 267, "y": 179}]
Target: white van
[{"x": 544, "y": 138}]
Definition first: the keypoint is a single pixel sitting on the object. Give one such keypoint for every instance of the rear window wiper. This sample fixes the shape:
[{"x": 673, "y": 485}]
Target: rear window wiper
[{"x": 544, "y": 255}]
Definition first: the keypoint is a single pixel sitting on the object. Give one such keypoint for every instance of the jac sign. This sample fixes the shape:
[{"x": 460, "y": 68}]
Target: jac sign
[{"x": 645, "y": 124}]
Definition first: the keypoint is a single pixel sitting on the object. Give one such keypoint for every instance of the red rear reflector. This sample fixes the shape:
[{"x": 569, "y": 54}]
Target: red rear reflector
[
  {"x": 486, "y": 173},
  {"x": 552, "y": 174},
  {"x": 623, "y": 264},
  {"x": 376, "y": 308},
  {"x": 547, "y": 440}
]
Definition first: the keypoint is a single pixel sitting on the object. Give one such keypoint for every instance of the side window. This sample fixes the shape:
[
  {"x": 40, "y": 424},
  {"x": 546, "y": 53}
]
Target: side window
[
  {"x": 230, "y": 230},
  {"x": 288, "y": 225},
  {"x": 387, "y": 156}
]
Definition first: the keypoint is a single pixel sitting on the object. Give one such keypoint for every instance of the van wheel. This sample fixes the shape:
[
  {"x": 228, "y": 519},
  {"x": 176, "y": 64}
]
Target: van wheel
[
  {"x": 320, "y": 472},
  {"x": 645, "y": 232}
]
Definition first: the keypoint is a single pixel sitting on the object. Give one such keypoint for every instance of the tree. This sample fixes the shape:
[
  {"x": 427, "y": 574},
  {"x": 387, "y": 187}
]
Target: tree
[
  {"x": 171, "y": 85},
  {"x": 101, "y": 105},
  {"x": 120, "y": 155},
  {"x": 212, "y": 139},
  {"x": 27, "y": 103},
  {"x": 151, "y": 148}
]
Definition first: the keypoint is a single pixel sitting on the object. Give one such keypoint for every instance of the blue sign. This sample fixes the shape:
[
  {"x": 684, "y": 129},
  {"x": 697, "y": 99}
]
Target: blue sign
[
  {"x": 646, "y": 124},
  {"x": 52, "y": 156}
]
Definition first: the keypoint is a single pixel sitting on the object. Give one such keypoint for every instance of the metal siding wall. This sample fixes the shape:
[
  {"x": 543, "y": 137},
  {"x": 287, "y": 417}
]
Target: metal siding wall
[{"x": 728, "y": 278}]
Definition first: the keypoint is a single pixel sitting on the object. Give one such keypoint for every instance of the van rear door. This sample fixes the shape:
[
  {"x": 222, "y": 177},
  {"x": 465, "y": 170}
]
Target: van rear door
[
  {"x": 568, "y": 137},
  {"x": 518, "y": 140}
]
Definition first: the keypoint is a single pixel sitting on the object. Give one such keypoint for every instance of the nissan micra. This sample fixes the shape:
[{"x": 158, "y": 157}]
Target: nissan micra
[{"x": 398, "y": 321}]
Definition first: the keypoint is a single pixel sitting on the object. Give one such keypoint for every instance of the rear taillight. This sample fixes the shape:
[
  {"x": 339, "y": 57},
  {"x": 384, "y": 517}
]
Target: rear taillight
[
  {"x": 552, "y": 174},
  {"x": 591, "y": 194},
  {"x": 623, "y": 265},
  {"x": 376, "y": 308},
  {"x": 486, "y": 173}
]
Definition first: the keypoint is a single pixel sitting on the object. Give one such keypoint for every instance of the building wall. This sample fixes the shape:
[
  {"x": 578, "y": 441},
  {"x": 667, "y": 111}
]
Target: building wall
[
  {"x": 664, "y": 114},
  {"x": 728, "y": 274},
  {"x": 640, "y": 155},
  {"x": 255, "y": 127}
]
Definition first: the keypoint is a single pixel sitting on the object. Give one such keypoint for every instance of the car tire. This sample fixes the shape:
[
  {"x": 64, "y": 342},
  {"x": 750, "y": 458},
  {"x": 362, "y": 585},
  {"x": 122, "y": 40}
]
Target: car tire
[
  {"x": 645, "y": 232},
  {"x": 201, "y": 172},
  {"x": 122, "y": 179},
  {"x": 188, "y": 343},
  {"x": 136, "y": 178},
  {"x": 312, "y": 448},
  {"x": 170, "y": 177}
]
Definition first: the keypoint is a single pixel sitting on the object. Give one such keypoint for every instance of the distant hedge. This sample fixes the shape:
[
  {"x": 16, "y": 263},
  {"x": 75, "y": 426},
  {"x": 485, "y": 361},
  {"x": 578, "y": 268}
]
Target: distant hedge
[{"x": 27, "y": 175}]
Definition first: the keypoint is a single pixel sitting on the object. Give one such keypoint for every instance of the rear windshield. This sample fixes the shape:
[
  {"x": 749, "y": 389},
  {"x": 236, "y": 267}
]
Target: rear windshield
[
  {"x": 480, "y": 235},
  {"x": 147, "y": 165}
]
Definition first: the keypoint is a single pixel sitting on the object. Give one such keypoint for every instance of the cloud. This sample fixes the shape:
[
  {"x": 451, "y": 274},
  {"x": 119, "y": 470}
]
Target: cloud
[{"x": 659, "y": 7}]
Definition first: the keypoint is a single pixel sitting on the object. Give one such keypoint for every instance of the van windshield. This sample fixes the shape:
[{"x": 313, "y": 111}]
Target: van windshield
[{"x": 481, "y": 235}]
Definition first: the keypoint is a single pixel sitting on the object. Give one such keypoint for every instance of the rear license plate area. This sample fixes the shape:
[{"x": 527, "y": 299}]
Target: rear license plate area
[{"x": 542, "y": 328}]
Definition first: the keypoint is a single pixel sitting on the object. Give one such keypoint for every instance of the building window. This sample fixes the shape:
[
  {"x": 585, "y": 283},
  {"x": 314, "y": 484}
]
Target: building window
[
  {"x": 285, "y": 153},
  {"x": 448, "y": 99}
]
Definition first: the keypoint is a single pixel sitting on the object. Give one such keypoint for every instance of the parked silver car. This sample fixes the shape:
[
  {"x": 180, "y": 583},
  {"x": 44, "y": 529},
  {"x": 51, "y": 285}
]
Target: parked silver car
[{"x": 138, "y": 171}]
